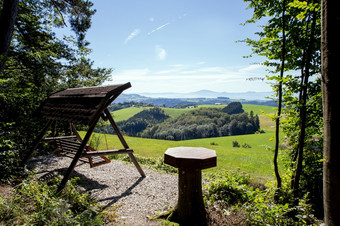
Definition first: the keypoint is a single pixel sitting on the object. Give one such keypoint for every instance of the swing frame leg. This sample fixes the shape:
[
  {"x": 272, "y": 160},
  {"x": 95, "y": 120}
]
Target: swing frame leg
[{"x": 122, "y": 140}]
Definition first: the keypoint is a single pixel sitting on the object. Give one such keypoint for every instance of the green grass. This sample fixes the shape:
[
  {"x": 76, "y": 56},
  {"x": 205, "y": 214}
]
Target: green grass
[
  {"x": 126, "y": 113},
  {"x": 175, "y": 112},
  {"x": 255, "y": 161}
]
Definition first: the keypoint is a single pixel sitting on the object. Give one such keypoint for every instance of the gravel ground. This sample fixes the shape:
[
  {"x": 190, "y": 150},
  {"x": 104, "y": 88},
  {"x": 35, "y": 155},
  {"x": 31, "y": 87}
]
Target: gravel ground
[{"x": 119, "y": 185}]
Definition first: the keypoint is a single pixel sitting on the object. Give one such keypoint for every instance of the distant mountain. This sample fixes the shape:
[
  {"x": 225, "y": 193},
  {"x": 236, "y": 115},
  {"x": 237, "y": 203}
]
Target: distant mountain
[
  {"x": 197, "y": 98},
  {"x": 212, "y": 94}
]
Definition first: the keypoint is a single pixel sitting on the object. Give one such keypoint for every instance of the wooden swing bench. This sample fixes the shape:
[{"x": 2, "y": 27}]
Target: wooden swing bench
[
  {"x": 82, "y": 106},
  {"x": 67, "y": 146}
]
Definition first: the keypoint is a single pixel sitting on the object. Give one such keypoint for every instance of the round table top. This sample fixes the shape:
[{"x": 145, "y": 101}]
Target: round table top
[{"x": 190, "y": 157}]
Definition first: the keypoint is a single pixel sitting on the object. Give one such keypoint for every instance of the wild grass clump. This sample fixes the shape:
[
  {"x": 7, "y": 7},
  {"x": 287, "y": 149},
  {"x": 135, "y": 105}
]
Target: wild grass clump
[
  {"x": 227, "y": 188},
  {"x": 233, "y": 192},
  {"x": 38, "y": 203}
]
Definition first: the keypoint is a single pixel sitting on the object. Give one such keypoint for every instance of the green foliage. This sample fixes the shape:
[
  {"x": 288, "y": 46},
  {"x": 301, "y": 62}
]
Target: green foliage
[
  {"x": 300, "y": 21},
  {"x": 236, "y": 144},
  {"x": 39, "y": 64},
  {"x": 233, "y": 108},
  {"x": 228, "y": 188},
  {"x": 36, "y": 203},
  {"x": 203, "y": 123},
  {"x": 9, "y": 154},
  {"x": 263, "y": 210},
  {"x": 140, "y": 121},
  {"x": 232, "y": 190}
]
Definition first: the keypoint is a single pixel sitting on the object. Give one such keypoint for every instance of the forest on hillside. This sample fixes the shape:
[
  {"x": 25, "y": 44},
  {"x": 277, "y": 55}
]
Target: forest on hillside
[{"x": 194, "y": 124}]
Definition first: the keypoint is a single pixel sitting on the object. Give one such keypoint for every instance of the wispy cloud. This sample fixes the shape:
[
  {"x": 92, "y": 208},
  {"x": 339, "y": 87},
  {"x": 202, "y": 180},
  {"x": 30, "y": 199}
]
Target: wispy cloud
[
  {"x": 158, "y": 28},
  {"x": 133, "y": 34},
  {"x": 160, "y": 52},
  {"x": 192, "y": 77}
]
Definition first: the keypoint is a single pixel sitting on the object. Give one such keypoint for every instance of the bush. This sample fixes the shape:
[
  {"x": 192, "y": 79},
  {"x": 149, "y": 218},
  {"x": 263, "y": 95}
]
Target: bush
[
  {"x": 236, "y": 144},
  {"x": 228, "y": 188},
  {"x": 233, "y": 108},
  {"x": 245, "y": 145},
  {"x": 231, "y": 191},
  {"x": 9, "y": 154},
  {"x": 36, "y": 203},
  {"x": 264, "y": 211}
]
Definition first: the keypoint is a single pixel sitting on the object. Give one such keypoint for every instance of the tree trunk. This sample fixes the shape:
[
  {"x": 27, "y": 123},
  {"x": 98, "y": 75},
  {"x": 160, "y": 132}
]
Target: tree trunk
[
  {"x": 330, "y": 49},
  {"x": 277, "y": 129},
  {"x": 303, "y": 110},
  {"x": 8, "y": 15}
]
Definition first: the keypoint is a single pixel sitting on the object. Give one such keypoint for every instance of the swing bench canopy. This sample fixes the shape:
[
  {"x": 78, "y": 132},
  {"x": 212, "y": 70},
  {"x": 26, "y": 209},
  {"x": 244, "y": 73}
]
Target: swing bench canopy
[{"x": 82, "y": 106}]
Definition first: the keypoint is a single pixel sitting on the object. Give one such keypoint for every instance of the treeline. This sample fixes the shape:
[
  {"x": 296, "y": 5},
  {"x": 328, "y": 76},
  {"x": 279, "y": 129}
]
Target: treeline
[
  {"x": 203, "y": 123},
  {"x": 118, "y": 106},
  {"x": 138, "y": 123},
  {"x": 198, "y": 123}
]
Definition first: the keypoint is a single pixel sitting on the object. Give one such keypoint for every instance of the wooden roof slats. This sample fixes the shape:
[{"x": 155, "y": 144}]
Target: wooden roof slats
[
  {"x": 98, "y": 91},
  {"x": 80, "y": 105}
]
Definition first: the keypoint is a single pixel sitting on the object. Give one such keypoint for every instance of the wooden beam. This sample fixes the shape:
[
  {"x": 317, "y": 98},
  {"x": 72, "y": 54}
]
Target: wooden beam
[
  {"x": 107, "y": 152},
  {"x": 48, "y": 139},
  {"x": 122, "y": 140},
  {"x": 78, "y": 154}
]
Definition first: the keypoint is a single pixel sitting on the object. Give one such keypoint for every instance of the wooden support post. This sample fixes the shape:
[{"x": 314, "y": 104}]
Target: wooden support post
[
  {"x": 77, "y": 155},
  {"x": 122, "y": 140},
  {"x": 73, "y": 129}
]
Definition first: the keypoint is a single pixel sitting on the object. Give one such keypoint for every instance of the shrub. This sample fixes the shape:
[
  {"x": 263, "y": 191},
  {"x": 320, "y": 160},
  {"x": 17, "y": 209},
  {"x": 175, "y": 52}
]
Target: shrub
[
  {"x": 245, "y": 145},
  {"x": 9, "y": 154},
  {"x": 36, "y": 203},
  {"x": 233, "y": 108},
  {"x": 228, "y": 188},
  {"x": 236, "y": 144}
]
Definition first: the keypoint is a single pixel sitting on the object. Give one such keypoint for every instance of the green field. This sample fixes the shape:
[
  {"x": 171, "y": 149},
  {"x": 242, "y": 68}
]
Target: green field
[
  {"x": 255, "y": 161},
  {"x": 126, "y": 113}
]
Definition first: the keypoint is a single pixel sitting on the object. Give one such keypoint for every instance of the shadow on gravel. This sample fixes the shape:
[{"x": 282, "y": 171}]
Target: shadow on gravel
[
  {"x": 128, "y": 192},
  {"x": 44, "y": 175}
]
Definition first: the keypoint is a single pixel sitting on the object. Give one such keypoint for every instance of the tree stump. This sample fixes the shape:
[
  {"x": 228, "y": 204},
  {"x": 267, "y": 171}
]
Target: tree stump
[{"x": 190, "y": 161}]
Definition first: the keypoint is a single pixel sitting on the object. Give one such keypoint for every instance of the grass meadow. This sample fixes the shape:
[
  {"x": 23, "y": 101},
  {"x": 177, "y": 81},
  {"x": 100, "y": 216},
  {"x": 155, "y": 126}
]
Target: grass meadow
[{"x": 255, "y": 161}]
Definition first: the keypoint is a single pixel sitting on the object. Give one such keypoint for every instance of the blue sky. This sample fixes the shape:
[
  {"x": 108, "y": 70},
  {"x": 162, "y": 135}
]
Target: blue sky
[{"x": 175, "y": 45}]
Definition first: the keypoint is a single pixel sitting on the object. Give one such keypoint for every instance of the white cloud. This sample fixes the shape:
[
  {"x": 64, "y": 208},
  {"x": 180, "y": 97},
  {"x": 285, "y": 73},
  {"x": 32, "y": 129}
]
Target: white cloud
[
  {"x": 133, "y": 34},
  {"x": 160, "y": 52},
  {"x": 151, "y": 19},
  {"x": 190, "y": 77},
  {"x": 252, "y": 68},
  {"x": 158, "y": 28}
]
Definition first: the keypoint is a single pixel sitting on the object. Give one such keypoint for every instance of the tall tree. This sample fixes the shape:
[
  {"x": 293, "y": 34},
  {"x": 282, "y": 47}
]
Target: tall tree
[
  {"x": 308, "y": 51},
  {"x": 330, "y": 72},
  {"x": 277, "y": 129},
  {"x": 7, "y": 19},
  {"x": 299, "y": 93},
  {"x": 39, "y": 63}
]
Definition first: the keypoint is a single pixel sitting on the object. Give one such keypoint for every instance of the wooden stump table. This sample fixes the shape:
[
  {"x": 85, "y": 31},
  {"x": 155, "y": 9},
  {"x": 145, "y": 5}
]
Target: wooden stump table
[{"x": 190, "y": 161}]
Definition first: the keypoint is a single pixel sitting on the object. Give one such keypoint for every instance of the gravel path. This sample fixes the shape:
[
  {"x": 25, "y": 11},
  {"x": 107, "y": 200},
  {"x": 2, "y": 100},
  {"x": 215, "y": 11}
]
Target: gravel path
[{"x": 120, "y": 186}]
